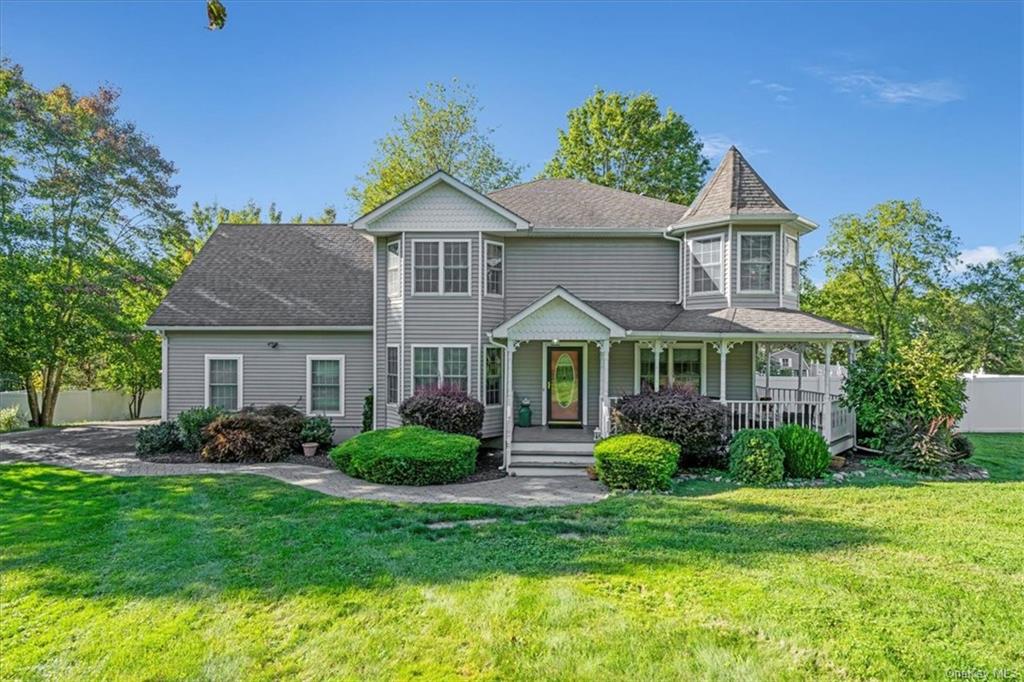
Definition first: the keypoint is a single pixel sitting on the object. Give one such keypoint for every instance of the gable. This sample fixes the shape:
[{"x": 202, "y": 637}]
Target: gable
[
  {"x": 558, "y": 319},
  {"x": 440, "y": 204}
]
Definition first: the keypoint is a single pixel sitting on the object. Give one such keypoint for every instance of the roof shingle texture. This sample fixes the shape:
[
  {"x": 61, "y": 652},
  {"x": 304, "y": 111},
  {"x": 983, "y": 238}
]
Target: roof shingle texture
[
  {"x": 735, "y": 188},
  {"x": 564, "y": 202},
  {"x": 274, "y": 275}
]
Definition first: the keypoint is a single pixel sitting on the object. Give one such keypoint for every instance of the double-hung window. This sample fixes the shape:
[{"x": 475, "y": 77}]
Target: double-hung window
[
  {"x": 492, "y": 377},
  {"x": 391, "y": 371},
  {"x": 325, "y": 384},
  {"x": 495, "y": 260},
  {"x": 224, "y": 381},
  {"x": 706, "y": 265},
  {"x": 394, "y": 269},
  {"x": 677, "y": 366},
  {"x": 434, "y": 366},
  {"x": 792, "y": 266},
  {"x": 756, "y": 262},
  {"x": 440, "y": 267}
]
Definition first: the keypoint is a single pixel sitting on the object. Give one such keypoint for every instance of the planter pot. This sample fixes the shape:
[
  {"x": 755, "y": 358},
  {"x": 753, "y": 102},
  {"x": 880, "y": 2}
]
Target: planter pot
[
  {"x": 837, "y": 463},
  {"x": 591, "y": 473},
  {"x": 309, "y": 449}
]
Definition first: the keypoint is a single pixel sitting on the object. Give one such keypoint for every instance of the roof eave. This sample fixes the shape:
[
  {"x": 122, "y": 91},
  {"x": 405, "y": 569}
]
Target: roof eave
[{"x": 795, "y": 220}]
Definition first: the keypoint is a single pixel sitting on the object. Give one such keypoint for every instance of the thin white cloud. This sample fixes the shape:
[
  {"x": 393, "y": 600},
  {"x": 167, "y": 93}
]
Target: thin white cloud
[
  {"x": 780, "y": 92},
  {"x": 874, "y": 87},
  {"x": 716, "y": 144},
  {"x": 979, "y": 255}
]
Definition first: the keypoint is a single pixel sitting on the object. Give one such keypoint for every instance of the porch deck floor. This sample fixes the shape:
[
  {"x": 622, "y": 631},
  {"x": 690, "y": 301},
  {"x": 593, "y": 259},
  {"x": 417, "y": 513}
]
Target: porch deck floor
[{"x": 546, "y": 434}]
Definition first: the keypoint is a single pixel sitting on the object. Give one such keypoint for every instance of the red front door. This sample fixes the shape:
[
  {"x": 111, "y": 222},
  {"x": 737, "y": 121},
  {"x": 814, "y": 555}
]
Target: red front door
[{"x": 565, "y": 386}]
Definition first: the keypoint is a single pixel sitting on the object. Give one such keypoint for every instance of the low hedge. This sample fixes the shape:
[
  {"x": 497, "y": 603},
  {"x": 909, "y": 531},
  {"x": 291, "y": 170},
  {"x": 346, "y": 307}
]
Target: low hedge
[
  {"x": 191, "y": 423},
  {"x": 633, "y": 461},
  {"x": 755, "y": 457},
  {"x": 804, "y": 450},
  {"x": 407, "y": 455},
  {"x": 157, "y": 439}
]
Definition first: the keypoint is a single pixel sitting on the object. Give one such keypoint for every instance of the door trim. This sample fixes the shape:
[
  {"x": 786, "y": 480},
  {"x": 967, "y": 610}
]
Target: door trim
[{"x": 544, "y": 377}]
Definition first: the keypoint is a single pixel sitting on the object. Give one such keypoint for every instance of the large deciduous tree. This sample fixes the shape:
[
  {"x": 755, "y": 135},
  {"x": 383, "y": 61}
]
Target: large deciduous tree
[
  {"x": 87, "y": 203},
  {"x": 991, "y": 316},
  {"x": 441, "y": 131},
  {"x": 626, "y": 142},
  {"x": 885, "y": 269}
]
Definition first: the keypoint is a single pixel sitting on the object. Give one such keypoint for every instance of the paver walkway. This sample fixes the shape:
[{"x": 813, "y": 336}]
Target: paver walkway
[{"x": 108, "y": 448}]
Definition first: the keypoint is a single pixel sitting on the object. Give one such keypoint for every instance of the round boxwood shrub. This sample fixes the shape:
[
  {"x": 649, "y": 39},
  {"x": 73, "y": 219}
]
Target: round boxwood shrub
[
  {"x": 680, "y": 414},
  {"x": 317, "y": 430},
  {"x": 755, "y": 457},
  {"x": 157, "y": 439},
  {"x": 633, "y": 461},
  {"x": 191, "y": 423},
  {"x": 805, "y": 451},
  {"x": 408, "y": 455},
  {"x": 446, "y": 408}
]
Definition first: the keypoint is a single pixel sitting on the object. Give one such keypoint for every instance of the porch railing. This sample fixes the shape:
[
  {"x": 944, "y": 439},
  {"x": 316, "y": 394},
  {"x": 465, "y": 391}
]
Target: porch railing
[
  {"x": 768, "y": 414},
  {"x": 793, "y": 394}
]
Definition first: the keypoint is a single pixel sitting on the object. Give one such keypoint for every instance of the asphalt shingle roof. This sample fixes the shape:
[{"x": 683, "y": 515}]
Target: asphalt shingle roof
[
  {"x": 564, "y": 202},
  {"x": 274, "y": 275},
  {"x": 735, "y": 188}
]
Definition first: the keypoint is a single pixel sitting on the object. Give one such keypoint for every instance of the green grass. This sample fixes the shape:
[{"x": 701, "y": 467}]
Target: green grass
[{"x": 242, "y": 577}]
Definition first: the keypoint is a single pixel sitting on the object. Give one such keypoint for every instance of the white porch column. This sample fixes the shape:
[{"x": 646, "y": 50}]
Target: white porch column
[
  {"x": 723, "y": 350},
  {"x": 605, "y": 423},
  {"x": 656, "y": 351},
  {"x": 827, "y": 418},
  {"x": 510, "y": 349}
]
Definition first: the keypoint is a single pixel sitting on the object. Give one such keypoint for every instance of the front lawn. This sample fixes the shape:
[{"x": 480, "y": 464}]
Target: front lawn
[{"x": 228, "y": 577}]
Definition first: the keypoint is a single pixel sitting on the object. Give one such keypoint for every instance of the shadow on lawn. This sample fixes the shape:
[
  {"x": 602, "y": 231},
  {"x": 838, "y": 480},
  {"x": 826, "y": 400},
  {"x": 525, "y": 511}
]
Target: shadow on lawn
[{"x": 72, "y": 534}]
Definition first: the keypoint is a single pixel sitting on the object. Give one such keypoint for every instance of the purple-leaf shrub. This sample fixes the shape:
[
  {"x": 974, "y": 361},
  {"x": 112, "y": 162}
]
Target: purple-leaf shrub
[{"x": 447, "y": 408}]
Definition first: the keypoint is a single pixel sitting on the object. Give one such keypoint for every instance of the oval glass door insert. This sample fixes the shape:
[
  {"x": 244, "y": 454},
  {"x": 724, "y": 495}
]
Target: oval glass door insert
[{"x": 565, "y": 381}]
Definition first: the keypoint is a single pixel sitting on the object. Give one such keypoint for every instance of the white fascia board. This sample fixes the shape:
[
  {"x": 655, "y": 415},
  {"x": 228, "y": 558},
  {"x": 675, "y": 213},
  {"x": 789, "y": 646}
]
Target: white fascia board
[
  {"x": 596, "y": 231},
  {"x": 363, "y": 222},
  {"x": 501, "y": 331},
  {"x": 257, "y": 328},
  {"x": 755, "y": 336},
  {"x": 743, "y": 219}
]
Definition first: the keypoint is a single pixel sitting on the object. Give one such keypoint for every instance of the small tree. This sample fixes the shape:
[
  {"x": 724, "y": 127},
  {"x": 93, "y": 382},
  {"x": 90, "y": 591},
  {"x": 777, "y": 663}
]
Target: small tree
[{"x": 626, "y": 142}]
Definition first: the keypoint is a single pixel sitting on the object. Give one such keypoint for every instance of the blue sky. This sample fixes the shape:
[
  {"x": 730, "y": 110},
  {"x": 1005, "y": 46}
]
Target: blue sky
[{"x": 838, "y": 106}]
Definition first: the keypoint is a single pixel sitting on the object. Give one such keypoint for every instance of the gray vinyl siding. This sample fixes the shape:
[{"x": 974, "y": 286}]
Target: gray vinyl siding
[
  {"x": 739, "y": 372},
  {"x": 492, "y": 313},
  {"x": 621, "y": 369},
  {"x": 594, "y": 268},
  {"x": 442, "y": 208},
  {"x": 270, "y": 375},
  {"x": 389, "y": 332}
]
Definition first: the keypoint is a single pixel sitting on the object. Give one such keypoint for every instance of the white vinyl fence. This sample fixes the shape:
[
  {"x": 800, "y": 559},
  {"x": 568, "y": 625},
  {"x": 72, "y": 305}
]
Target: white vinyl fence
[
  {"x": 995, "y": 403},
  {"x": 86, "y": 405}
]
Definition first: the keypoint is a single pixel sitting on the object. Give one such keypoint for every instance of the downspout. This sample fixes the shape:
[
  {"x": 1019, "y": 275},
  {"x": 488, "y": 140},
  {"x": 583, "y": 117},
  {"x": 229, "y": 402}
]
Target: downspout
[{"x": 679, "y": 298}]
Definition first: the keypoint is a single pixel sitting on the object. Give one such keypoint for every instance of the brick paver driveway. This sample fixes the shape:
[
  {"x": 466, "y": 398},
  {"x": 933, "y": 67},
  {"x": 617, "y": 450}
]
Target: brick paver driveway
[{"x": 108, "y": 448}]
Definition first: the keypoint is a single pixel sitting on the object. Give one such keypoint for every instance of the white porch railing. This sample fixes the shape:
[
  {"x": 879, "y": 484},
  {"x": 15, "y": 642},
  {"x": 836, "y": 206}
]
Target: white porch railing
[
  {"x": 793, "y": 394},
  {"x": 836, "y": 423}
]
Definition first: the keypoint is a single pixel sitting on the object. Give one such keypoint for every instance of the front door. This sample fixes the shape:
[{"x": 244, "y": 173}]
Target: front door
[{"x": 565, "y": 386}]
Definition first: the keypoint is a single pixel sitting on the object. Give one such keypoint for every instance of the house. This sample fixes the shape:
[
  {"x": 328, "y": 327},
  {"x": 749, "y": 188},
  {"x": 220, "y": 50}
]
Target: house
[
  {"x": 788, "y": 362},
  {"x": 555, "y": 291}
]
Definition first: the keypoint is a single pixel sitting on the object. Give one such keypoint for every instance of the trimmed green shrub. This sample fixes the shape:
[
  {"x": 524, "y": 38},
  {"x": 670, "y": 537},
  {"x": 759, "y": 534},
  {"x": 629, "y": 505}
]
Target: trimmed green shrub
[
  {"x": 446, "y": 408},
  {"x": 157, "y": 439},
  {"x": 919, "y": 446},
  {"x": 317, "y": 430},
  {"x": 755, "y": 457},
  {"x": 408, "y": 455},
  {"x": 633, "y": 461},
  {"x": 680, "y": 414},
  {"x": 11, "y": 419},
  {"x": 191, "y": 424},
  {"x": 805, "y": 451}
]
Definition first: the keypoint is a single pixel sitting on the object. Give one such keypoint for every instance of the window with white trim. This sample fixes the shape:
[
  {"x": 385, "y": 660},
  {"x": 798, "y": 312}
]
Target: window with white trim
[
  {"x": 391, "y": 372},
  {"x": 325, "y": 383},
  {"x": 756, "y": 263},
  {"x": 224, "y": 381},
  {"x": 706, "y": 265},
  {"x": 792, "y": 265},
  {"x": 495, "y": 260},
  {"x": 394, "y": 250},
  {"x": 678, "y": 366},
  {"x": 434, "y": 366},
  {"x": 441, "y": 267},
  {"x": 493, "y": 372}
]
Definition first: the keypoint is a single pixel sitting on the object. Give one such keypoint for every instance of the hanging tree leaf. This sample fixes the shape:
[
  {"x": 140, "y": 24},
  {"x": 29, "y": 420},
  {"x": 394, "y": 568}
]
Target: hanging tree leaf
[{"x": 216, "y": 14}]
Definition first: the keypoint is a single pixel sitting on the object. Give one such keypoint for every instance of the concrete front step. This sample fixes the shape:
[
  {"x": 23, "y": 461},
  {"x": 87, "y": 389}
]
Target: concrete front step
[
  {"x": 551, "y": 458},
  {"x": 546, "y": 469},
  {"x": 531, "y": 448}
]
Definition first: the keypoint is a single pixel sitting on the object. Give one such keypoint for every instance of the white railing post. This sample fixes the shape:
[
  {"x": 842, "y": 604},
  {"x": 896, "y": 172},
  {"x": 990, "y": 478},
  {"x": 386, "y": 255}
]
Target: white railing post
[
  {"x": 605, "y": 423},
  {"x": 827, "y": 417},
  {"x": 510, "y": 349}
]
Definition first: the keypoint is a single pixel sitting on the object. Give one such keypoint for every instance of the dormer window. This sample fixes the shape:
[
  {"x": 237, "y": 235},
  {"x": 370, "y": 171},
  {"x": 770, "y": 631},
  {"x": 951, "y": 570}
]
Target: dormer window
[
  {"x": 440, "y": 266},
  {"x": 706, "y": 264},
  {"x": 756, "y": 264}
]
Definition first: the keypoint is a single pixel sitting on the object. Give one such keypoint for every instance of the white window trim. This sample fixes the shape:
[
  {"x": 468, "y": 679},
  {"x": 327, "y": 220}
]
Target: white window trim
[
  {"x": 739, "y": 264},
  {"x": 397, "y": 294},
  {"x": 440, "y": 363},
  {"x": 440, "y": 277},
  {"x": 666, "y": 364},
  {"x": 483, "y": 268},
  {"x": 786, "y": 286},
  {"x": 206, "y": 377},
  {"x": 398, "y": 374},
  {"x": 341, "y": 385},
  {"x": 720, "y": 236},
  {"x": 483, "y": 374}
]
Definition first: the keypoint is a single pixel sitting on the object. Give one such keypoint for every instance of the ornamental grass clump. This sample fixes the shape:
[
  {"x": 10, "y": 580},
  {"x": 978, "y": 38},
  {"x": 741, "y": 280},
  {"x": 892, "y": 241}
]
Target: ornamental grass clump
[
  {"x": 634, "y": 461},
  {"x": 755, "y": 457}
]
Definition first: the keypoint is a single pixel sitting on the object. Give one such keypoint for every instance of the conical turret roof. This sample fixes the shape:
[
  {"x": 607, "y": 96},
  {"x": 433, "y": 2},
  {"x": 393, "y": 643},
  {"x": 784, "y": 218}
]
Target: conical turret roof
[{"x": 734, "y": 189}]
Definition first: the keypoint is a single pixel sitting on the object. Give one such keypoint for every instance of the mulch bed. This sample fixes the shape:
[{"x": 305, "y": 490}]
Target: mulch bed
[{"x": 487, "y": 463}]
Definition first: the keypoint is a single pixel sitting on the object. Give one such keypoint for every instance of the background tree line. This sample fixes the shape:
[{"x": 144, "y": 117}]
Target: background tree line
[{"x": 92, "y": 237}]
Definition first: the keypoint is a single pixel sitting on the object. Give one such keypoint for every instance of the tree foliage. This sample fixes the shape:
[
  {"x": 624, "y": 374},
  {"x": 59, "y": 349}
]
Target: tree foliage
[
  {"x": 86, "y": 206},
  {"x": 626, "y": 142},
  {"x": 442, "y": 131}
]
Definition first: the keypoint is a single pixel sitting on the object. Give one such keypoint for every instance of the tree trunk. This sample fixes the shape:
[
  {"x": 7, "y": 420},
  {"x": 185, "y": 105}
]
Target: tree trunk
[
  {"x": 33, "y": 402},
  {"x": 51, "y": 389},
  {"x": 138, "y": 394}
]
